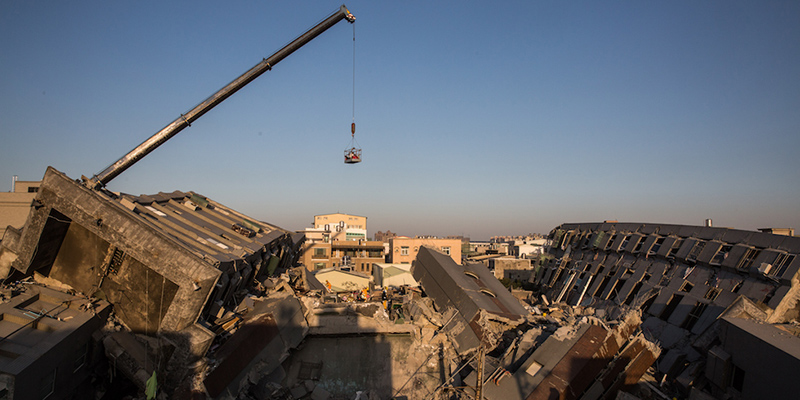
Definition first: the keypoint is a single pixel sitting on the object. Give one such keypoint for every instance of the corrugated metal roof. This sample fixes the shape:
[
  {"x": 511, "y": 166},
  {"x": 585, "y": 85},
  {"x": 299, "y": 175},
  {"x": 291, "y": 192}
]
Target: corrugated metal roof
[{"x": 201, "y": 225}]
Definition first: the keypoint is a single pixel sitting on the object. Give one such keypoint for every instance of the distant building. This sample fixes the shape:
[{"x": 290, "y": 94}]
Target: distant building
[
  {"x": 479, "y": 248},
  {"x": 15, "y": 206},
  {"x": 512, "y": 268},
  {"x": 403, "y": 250},
  {"x": 384, "y": 236},
  {"x": 340, "y": 226},
  {"x": 349, "y": 254},
  {"x": 339, "y": 241},
  {"x": 393, "y": 275},
  {"x": 778, "y": 231}
]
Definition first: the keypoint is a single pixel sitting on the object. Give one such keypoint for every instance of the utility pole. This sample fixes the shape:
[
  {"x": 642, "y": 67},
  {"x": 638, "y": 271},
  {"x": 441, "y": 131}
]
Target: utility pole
[{"x": 479, "y": 383}]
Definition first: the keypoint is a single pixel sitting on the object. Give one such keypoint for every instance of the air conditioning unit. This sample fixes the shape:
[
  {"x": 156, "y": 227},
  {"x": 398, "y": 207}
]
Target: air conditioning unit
[{"x": 765, "y": 268}]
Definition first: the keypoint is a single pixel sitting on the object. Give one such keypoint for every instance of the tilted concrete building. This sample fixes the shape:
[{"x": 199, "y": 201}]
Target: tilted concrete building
[
  {"x": 171, "y": 264},
  {"x": 682, "y": 278}
]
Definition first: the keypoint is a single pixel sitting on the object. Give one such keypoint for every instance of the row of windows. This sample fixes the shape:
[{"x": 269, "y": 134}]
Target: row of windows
[
  {"x": 775, "y": 267},
  {"x": 404, "y": 250}
]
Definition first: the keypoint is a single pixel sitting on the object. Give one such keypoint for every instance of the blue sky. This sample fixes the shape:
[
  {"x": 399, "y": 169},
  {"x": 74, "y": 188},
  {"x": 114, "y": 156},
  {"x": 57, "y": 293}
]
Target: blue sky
[{"x": 474, "y": 118}]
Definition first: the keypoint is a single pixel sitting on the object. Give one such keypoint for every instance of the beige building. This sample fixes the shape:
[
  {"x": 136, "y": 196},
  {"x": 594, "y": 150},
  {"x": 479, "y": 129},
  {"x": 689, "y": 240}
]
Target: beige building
[
  {"x": 339, "y": 241},
  {"x": 340, "y": 226},
  {"x": 354, "y": 255},
  {"x": 403, "y": 250},
  {"x": 14, "y": 206},
  {"x": 511, "y": 268}
]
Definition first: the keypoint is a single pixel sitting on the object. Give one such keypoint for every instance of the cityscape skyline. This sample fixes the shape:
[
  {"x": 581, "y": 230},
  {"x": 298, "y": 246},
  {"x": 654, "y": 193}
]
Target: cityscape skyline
[{"x": 474, "y": 121}]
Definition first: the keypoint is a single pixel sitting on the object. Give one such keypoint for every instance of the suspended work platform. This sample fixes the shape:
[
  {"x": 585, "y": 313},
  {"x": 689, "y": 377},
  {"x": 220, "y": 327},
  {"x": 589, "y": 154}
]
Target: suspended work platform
[{"x": 352, "y": 155}]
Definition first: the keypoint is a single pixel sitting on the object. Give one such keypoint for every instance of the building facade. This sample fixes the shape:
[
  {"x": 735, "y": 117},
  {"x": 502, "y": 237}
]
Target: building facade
[
  {"x": 403, "y": 250},
  {"x": 15, "y": 206},
  {"x": 340, "y": 226},
  {"x": 354, "y": 255},
  {"x": 684, "y": 279}
]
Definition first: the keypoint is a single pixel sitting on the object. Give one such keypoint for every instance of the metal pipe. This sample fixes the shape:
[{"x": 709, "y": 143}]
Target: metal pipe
[{"x": 185, "y": 120}]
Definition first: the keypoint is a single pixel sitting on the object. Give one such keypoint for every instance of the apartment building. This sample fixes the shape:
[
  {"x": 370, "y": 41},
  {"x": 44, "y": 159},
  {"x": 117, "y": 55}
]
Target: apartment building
[
  {"x": 340, "y": 226},
  {"x": 354, "y": 255},
  {"x": 689, "y": 282}
]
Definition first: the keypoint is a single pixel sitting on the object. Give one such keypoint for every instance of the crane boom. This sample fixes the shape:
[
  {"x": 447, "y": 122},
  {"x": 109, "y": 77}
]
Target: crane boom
[{"x": 101, "y": 179}]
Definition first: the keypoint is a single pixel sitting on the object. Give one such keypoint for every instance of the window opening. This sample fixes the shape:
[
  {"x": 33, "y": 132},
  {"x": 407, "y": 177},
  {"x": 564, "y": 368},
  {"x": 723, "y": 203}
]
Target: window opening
[
  {"x": 721, "y": 255},
  {"x": 616, "y": 288},
  {"x": 780, "y": 264},
  {"x": 747, "y": 261},
  {"x": 694, "y": 315},
  {"x": 634, "y": 292},
  {"x": 611, "y": 241},
  {"x": 47, "y": 385},
  {"x": 80, "y": 360},
  {"x": 603, "y": 283},
  {"x": 676, "y": 245},
  {"x": 696, "y": 250},
  {"x": 639, "y": 244},
  {"x": 712, "y": 293},
  {"x": 737, "y": 378},
  {"x": 686, "y": 287},
  {"x": 672, "y": 304},
  {"x": 625, "y": 242},
  {"x": 649, "y": 303},
  {"x": 656, "y": 246}
]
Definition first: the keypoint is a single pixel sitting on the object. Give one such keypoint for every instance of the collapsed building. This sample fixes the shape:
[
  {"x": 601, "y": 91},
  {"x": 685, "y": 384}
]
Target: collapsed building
[
  {"x": 528, "y": 355},
  {"x": 692, "y": 284},
  {"x": 174, "y": 265},
  {"x": 214, "y": 304}
]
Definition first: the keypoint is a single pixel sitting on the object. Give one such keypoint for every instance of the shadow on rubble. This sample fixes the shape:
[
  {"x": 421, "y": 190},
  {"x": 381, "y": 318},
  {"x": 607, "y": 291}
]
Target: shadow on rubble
[{"x": 352, "y": 351}]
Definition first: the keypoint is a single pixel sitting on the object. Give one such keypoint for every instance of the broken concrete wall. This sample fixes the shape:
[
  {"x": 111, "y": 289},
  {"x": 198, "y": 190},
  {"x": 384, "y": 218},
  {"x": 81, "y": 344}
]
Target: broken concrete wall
[
  {"x": 270, "y": 330},
  {"x": 579, "y": 360}
]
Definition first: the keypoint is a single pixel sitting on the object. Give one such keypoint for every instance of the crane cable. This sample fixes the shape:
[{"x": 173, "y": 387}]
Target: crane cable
[
  {"x": 353, "y": 125},
  {"x": 353, "y": 142}
]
